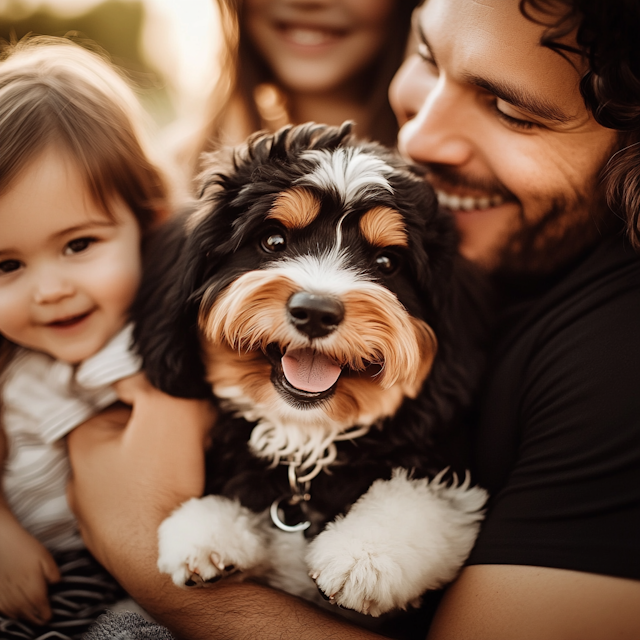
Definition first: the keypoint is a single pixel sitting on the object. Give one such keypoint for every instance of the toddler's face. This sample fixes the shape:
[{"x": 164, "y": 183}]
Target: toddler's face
[
  {"x": 68, "y": 272},
  {"x": 315, "y": 46}
]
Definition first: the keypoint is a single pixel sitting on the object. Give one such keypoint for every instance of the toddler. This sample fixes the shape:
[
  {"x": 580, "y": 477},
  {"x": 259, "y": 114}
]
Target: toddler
[{"x": 77, "y": 196}]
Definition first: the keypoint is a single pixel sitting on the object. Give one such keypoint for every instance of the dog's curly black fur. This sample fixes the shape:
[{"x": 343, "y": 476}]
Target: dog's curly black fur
[{"x": 259, "y": 212}]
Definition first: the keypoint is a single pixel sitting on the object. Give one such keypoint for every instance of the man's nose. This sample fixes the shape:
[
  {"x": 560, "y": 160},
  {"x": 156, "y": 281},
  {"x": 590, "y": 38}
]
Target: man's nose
[
  {"x": 50, "y": 284},
  {"x": 438, "y": 132}
]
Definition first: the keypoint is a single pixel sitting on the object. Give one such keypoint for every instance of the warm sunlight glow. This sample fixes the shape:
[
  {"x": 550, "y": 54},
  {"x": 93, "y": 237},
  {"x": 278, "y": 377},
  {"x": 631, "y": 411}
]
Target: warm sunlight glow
[{"x": 179, "y": 40}]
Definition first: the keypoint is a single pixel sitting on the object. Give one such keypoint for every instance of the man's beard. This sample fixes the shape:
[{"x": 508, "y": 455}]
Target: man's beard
[{"x": 537, "y": 254}]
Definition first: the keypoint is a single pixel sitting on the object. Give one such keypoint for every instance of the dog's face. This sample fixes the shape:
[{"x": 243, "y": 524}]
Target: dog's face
[{"x": 312, "y": 265}]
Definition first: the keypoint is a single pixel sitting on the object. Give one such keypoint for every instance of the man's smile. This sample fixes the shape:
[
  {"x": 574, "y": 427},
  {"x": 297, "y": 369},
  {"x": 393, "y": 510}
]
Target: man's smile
[{"x": 455, "y": 202}]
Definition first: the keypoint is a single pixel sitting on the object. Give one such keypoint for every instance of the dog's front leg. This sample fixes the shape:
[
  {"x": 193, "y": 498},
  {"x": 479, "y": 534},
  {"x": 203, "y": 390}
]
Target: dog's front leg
[
  {"x": 400, "y": 539},
  {"x": 209, "y": 538}
]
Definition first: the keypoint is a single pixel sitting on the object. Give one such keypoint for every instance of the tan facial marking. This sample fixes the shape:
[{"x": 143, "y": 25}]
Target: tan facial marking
[
  {"x": 357, "y": 399},
  {"x": 384, "y": 227},
  {"x": 226, "y": 367},
  {"x": 295, "y": 209},
  {"x": 250, "y": 313}
]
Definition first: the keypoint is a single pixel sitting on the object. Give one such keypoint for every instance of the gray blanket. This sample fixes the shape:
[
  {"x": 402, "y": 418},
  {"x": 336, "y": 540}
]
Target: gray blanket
[{"x": 126, "y": 626}]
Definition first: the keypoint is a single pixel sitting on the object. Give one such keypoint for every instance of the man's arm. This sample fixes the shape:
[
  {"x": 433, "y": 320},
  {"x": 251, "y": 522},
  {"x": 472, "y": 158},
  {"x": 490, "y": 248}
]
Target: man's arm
[
  {"x": 129, "y": 473},
  {"x": 126, "y": 481},
  {"x": 511, "y": 602}
]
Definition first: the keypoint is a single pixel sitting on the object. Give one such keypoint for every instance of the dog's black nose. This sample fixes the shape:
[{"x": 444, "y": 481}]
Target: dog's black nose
[{"x": 314, "y": 315}]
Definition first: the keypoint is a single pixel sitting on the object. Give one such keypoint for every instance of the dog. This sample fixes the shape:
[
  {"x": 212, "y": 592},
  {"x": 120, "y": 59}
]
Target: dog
[{"x": 316, "y": 292}]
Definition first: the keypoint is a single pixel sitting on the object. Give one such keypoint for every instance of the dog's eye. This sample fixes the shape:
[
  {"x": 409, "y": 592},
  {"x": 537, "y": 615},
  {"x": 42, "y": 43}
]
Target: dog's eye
[
  {"x": 274, "y": 242},
  {"x": 386, "y": 263}
]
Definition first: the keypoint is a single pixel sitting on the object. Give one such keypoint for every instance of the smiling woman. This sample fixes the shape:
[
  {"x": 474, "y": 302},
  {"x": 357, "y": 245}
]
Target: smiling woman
[
  {"x": 325, "y": 61},
  {"x": 318, "y": 52}
]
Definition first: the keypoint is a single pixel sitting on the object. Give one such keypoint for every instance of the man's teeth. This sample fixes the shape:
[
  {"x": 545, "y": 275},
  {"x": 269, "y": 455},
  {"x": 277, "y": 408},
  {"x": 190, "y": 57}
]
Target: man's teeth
[{"x": 467, "y": 203}]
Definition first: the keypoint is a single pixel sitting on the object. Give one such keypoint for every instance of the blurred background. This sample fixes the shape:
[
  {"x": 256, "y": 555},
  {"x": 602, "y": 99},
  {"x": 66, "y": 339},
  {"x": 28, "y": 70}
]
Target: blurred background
[{"x": 167, "y": 47}]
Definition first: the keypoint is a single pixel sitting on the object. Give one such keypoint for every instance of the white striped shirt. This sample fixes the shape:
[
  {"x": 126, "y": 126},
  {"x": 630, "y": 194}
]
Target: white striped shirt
[{"x": 43, "y": 399}]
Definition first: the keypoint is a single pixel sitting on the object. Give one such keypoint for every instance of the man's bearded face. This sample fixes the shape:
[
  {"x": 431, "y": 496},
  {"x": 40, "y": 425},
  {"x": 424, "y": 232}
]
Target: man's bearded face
[{"x": 500, "y": 124}]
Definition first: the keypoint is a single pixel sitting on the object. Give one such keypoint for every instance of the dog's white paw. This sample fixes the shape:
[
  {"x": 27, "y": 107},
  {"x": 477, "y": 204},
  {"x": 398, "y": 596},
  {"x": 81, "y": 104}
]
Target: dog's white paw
[
  {"x": 210, "y": 538},
  {"x": 402, "y": 538},
  {"x": 353, "y": 574}
]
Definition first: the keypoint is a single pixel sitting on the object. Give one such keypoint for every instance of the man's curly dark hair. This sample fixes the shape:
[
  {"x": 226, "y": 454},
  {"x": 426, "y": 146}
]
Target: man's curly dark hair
[{"x": 607, "y": 35}]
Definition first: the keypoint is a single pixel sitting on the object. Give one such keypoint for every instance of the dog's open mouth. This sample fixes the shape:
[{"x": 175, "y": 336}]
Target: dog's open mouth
[
  {"x": 310, "y": 371},
  {"x": 308, "y": 376},
  {"x": 303, "y": 375}
]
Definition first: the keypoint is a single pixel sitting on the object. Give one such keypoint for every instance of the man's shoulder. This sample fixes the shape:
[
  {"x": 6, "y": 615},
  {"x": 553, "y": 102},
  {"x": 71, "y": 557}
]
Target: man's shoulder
[
  {"x": 568, "y": 366},
  {"x": 559, "y": 433},
  {"x": 581, "y": 332},
  {"x": 601, "y": 287},
  {"x": 608, "y": 272}
]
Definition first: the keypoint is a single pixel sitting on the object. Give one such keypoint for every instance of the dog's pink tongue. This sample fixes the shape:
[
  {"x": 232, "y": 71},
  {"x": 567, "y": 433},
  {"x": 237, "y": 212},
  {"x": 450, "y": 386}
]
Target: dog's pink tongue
[{"x": 308, "y": 370}]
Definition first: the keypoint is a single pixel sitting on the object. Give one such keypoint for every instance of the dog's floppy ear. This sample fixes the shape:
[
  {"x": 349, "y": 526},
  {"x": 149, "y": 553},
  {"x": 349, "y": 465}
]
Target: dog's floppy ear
[{"x": 165, "y": 314}]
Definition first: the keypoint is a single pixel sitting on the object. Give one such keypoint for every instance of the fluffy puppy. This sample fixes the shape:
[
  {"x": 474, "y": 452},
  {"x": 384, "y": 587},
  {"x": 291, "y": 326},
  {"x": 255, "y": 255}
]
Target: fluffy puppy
[{"x": 315, "y": 290}]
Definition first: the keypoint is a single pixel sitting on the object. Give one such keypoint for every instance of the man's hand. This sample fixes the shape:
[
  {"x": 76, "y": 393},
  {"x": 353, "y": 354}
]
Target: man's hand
[
  {"x": 131, "y": 468},
  {"x": 26, "y": 568},
  {"x": 137, "y": 388}
]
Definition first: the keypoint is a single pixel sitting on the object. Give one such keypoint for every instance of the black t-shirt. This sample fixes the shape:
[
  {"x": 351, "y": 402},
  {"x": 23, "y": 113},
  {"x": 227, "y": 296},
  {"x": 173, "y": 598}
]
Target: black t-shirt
[{"x": 558, "y": 439}]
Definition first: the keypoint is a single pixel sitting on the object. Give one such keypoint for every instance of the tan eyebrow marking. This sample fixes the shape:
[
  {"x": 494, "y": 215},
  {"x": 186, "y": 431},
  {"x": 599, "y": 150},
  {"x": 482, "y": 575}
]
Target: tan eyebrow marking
[
  {"x": 383, "y": 227},
  {"x": 295, "y": 209}
]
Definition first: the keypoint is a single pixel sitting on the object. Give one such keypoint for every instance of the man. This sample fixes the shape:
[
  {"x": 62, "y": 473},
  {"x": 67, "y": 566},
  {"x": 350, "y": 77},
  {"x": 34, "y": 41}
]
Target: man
[{"x": 518, "y": 157}]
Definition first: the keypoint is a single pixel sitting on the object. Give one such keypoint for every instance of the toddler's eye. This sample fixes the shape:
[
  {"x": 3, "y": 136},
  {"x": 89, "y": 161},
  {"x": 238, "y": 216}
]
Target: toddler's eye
[
  {"x": 78, "y": 245},
  {"x": 9, "y": 266}
]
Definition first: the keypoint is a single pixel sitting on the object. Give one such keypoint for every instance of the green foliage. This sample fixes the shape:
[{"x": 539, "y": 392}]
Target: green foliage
[{"x": 114, "y": 25}]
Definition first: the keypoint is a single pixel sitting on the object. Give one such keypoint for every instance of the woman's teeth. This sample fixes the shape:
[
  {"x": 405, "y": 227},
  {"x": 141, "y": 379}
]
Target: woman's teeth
[
  {"x": 309, "y": 37},
  {"x": 467, "y": 203}
]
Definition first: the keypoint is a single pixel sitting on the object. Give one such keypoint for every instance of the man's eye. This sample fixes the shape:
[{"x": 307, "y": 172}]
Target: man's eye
[
  {"x": 9, "y": 266},
  {"x": 78, "y": 245},
  {"x": 425, "y": 54},
  {"x": 512, "y": 121}
]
